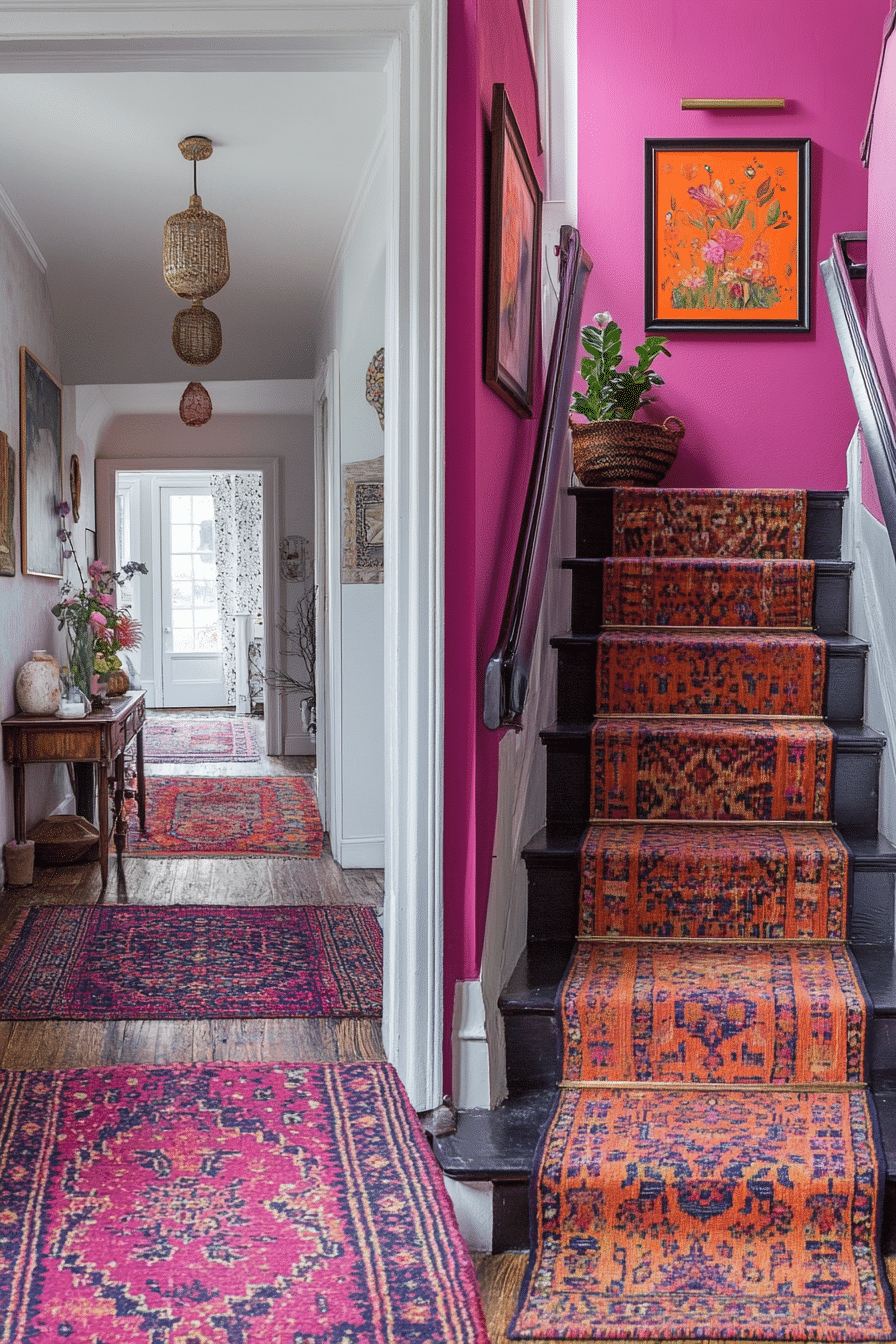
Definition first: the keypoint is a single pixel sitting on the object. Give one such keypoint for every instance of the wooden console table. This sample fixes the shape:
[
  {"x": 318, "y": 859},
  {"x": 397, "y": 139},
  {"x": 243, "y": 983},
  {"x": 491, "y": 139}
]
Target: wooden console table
[{"x": 99, "y": 739}]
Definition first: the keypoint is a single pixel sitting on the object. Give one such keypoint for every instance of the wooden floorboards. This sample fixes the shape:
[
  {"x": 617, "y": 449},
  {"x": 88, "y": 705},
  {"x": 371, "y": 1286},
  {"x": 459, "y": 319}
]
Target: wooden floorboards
[{"x": 189, "y": 881}]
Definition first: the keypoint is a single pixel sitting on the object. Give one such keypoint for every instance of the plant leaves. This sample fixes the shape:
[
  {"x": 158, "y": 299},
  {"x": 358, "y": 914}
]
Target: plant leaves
[
  {"x": 763, "y": 190},
  {"x": 774, "y": 212}
]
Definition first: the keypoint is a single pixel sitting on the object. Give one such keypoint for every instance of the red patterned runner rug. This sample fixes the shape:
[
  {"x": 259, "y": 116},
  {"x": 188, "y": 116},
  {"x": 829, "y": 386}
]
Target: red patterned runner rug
[
  {"x": 708, "y": 592},
  {"x": 227, "y": 817},
  {"x": 226, "y": 1202},
  {"x": 745, "y": 1013},
  {"x": 692, "y": 1214},
  {"x": 196, "y": 739},
  {"x": 713, "y": 769},
  {"x": 727, "y": 672},
  {"x": 713, "y": 881},
  {"x": 764, "y": 524},
  {"x": 189, "y": 962}
]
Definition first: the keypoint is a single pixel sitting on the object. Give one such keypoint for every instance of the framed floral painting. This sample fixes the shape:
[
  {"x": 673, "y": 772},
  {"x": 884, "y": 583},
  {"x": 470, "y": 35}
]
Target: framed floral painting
[
  {"x": 40, "y": 449},
  {"x": 514, "y": 259},
  {"x": 727, "y": 235}
]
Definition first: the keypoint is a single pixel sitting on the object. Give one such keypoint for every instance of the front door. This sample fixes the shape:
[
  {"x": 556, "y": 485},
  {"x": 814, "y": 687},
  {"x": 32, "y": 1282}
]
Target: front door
[{"x": 192, "y": 667}]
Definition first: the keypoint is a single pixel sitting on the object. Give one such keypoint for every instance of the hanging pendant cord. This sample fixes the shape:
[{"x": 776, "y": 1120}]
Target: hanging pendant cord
[{"x": 195, "y": 191}]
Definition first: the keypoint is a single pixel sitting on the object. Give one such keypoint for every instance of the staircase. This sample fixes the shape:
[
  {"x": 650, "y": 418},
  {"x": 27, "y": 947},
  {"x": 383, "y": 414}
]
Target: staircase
[{"x": 499, "y": 1146}]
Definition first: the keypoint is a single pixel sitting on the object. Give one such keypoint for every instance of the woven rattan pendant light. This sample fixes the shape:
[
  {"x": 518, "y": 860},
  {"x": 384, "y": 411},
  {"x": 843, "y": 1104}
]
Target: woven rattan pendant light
[
  {"x": 195, "y": 261},
  {"x": 195, "y": 405},
  {"x": 196, "y": 334}
]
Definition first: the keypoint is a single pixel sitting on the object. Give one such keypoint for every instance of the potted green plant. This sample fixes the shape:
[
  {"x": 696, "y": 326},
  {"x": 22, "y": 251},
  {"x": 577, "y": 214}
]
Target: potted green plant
[{"x": 612, "y": 448}]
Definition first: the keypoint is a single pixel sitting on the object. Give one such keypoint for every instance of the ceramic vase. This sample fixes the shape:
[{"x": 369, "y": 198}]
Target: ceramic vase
[{"x": 37, "y": 684}]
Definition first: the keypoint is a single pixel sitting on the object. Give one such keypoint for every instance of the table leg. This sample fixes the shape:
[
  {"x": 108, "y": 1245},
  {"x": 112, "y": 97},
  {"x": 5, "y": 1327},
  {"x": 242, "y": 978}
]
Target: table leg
[
  {"x": 18, "y": 794},
  {"x": 118, "y": 812},
  {"x": 85, "y": 788},
  {"x": 102, "y": 813},
  {"x": 141, "y": 783}
]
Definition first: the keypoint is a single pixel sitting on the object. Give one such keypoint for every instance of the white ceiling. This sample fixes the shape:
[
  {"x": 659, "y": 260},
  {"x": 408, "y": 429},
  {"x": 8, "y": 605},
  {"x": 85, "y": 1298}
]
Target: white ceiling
[{"x": 91, "y": 165}]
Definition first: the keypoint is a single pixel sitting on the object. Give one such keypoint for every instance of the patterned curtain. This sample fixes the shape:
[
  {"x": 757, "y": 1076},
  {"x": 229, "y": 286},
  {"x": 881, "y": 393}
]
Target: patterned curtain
[{"x": 236, "y": 497}]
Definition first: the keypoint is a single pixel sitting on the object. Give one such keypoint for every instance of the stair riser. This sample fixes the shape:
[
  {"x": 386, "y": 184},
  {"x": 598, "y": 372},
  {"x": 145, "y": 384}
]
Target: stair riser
[
  {"x": 855, "y": 796},
  {"x": 830, "y": 611},
  {"x": 553, "y": 903},
  {"x": 594, "y": 523},
  {"x": 844, "y": 695}
]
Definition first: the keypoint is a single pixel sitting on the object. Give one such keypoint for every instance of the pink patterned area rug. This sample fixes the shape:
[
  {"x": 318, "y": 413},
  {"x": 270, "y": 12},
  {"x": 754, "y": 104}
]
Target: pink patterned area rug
[
  {"x": 227, "y": 1204},
  {"x": 227, "y": 818},
  {"x": 195, "y": 739},
  {"x": 188, "y": 962}
]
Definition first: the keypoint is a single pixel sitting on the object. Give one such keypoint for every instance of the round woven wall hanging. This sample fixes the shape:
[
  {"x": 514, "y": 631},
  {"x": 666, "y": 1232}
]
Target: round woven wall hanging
[
  {"x": 195, "y": 405},
  {"x": 196, "y": 334}
]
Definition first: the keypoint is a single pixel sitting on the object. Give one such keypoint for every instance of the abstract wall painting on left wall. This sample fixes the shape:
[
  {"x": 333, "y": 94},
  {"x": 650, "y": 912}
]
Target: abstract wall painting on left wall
[
  {"x": 7, "y": 507},
  {"x": 40, "y": 446}
]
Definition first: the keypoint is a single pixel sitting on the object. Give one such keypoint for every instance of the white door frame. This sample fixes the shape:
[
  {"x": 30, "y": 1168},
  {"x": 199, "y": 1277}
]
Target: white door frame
[
  {"x": 107, "y": 469},
  {"x": 407, "y": 38},
  {"x": 328, "y": 607}
]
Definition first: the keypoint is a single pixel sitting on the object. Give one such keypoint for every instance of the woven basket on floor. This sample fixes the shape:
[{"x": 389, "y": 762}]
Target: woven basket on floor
[
  {"x": 624, "y": 452},
  {"x": 62, "y": 839}
]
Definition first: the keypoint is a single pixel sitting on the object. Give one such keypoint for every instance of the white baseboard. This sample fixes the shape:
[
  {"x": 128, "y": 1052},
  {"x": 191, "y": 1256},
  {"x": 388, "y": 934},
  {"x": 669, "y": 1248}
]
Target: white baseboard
[
  {"x": 469, "y": 1048},
  {"x": 299, "y": 744},
  {"x": 473, "y": 1208},
  {"x": 366, "y": 851}
]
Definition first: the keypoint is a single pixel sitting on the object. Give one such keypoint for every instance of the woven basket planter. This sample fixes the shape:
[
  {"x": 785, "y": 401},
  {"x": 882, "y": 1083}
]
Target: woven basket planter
[{"x": 624, "y": 452}]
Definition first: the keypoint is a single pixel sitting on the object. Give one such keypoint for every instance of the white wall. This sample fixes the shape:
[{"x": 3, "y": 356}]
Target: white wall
[
  {"x": 288, "y": 437},
  {"x": 26, "y": 318},
  {"x": 353, "y": 323}
]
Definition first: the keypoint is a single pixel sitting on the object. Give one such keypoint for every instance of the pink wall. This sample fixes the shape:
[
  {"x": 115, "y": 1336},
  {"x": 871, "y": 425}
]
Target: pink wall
[
  {"x": 488, "y": 455},
  {"x": 760, "y": 410},
  {"x": 881, "y": 286}
]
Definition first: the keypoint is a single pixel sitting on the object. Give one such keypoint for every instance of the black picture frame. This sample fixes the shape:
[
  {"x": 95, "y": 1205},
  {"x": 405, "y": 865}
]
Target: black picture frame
[
  {"x": 757, "y": 191},
  {"x": 514, "y": 268},
  {"x": 40, "y": 456}
]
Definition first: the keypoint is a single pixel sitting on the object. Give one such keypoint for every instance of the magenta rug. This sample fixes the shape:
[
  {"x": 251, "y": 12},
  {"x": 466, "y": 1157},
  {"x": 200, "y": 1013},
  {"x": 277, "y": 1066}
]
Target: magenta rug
[
  {"x": 195, "y": 739},
  {"x": 226, "y": 1204},
  {"x": 183, "y": 962},
  {"x": 186, "y": 815}
]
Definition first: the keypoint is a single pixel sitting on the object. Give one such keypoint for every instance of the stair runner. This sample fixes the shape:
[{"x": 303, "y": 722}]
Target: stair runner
[{"x": 712, "y": 1167}]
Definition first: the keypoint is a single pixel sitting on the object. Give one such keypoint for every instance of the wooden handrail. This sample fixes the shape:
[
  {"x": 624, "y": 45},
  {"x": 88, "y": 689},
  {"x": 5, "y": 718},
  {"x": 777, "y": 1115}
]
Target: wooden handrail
[
  {"x": 507, "y": 673},
  {"x": 875, "y": 417}
]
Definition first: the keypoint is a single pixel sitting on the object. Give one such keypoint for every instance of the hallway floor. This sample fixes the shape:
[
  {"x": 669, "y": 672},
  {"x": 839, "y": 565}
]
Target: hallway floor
[
  {"x": 255, "y": 881},
  {"x": 179, "y": 881}
]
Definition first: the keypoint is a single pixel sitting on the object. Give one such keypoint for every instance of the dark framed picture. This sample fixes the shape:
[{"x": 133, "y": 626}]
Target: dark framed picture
[
  {"x": 514, "y": 262},
  {"x": 7, "y": 507},
  {"x": 40, "y": 450},
  {"x": 727, "y": 235}
]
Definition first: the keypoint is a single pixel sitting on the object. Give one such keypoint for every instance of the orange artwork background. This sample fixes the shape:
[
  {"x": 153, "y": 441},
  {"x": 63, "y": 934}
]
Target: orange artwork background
[{"x": 726, "y": 234}]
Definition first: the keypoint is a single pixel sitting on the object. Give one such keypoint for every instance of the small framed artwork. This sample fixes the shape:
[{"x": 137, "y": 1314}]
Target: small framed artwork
[
  {"x": 514, "y": 262},
  {"x": 363, "y": 521},
  {"x": 40, "y": 450},
  {"x": 7, "y": 507},
  {"x": 727, "y": 235}
]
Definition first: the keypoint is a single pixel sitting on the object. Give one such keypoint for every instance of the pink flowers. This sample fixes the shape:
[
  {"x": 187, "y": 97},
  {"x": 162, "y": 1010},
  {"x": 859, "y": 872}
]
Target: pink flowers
[
  {"x": 693, "y": 281},
  {"x": 713, "y": 202},
  {"x": 713, "y": 252},
  {"x": 97, "y": 568},
  {"x": 729, "y": 240}
]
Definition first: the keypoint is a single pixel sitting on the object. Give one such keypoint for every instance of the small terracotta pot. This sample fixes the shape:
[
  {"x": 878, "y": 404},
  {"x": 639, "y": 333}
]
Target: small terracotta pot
[{"x": 18, "y": 861}]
